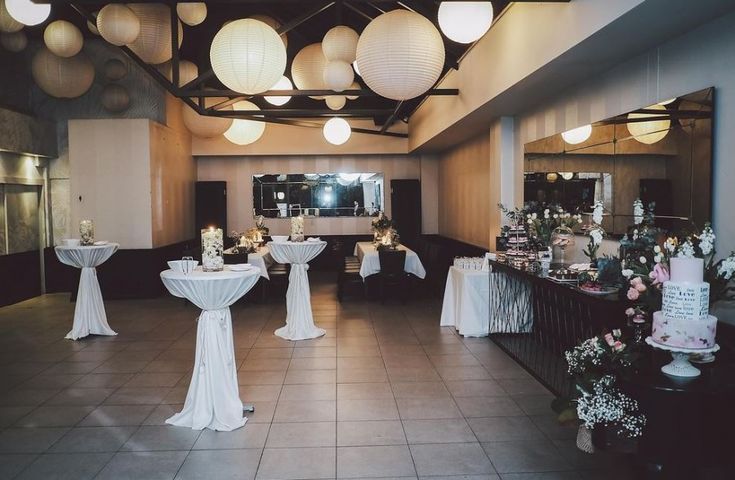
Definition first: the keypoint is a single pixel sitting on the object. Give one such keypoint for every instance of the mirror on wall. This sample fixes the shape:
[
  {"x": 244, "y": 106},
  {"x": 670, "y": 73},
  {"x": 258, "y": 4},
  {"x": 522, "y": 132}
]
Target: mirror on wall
[
  {"x": 660, "y": 153},
  {"x": 318, "y": 194}
]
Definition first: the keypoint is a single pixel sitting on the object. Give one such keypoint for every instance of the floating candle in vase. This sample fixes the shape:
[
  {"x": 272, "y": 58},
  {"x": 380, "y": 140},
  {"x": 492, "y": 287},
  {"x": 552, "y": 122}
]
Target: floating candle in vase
[
  {"x": 86, "y": 232},
  {"x": 297, "y": 229},
  {"x": 212, "y": 246}
]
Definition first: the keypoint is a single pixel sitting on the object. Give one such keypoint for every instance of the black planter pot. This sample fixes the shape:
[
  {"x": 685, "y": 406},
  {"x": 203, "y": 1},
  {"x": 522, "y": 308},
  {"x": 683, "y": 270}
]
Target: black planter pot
[{"x": 605, "y": 437}]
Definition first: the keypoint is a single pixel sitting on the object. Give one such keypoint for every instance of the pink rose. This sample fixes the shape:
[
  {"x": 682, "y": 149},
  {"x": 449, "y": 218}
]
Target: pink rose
[
  {"x": 635, "y": 281},
  {"x": 630, "y": 312},
  {"x": 633, "y": 294},
  {"x": 618, "y": 346},
  {"x": 640, "y": 287},
  {"x": 659, "y": 275},
  {"x": 609, "y": 339}
]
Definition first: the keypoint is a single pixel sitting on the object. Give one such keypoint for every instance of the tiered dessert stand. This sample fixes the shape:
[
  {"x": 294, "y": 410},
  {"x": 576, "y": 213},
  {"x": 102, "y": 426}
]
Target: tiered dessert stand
[{"x": 680, "y": 366}]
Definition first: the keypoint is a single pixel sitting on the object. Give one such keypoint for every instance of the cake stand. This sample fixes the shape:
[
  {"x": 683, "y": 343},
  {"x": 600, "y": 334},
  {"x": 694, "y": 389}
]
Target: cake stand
[{"x": 680, "y": 366}]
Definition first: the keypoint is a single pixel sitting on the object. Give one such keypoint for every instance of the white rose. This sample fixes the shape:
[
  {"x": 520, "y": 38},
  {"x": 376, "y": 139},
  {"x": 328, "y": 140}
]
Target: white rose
[
  {"x": 627, "y": 273},
  {"x": 657, "y": 249},
  {"x": 643, "y": 260},
  {"x": 556, "y": 216}
]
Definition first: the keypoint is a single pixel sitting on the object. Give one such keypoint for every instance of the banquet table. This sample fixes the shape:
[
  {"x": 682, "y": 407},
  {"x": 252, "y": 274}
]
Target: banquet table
[
  {"x": 466, "y": 302},
  {"x": 213, "y": 400},
  {"x": 299, "y": 319},
  {"x": 261, "y": 259},
  {"x": 370, "y": 260},
  {"x": 89, "y": 312}
]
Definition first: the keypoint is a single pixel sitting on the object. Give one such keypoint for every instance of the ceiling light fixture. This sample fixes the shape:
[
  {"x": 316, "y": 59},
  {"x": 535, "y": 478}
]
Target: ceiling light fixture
[
  {"x": 242, "y": 131},
  {"x": 465, "y": 22},
  {"x": 649, "y": 132},
  {"x": 337, "y": 131},
  {"x": 577, "y": 135},
  {"x": 283, "y": 84},
  {"x": 27, "y": 12}
]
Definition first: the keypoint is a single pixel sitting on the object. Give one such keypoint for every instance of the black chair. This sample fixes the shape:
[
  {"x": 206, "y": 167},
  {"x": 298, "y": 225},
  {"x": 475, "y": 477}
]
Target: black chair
[
  {"x": 278, "y": 274},
  {"x": 392, "y": 274},
  {"x": 349, "y": 278}
]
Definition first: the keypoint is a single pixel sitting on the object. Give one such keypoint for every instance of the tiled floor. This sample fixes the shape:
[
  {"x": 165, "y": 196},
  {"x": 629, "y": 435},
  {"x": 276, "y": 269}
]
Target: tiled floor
[{"x": 386, "y": 393}]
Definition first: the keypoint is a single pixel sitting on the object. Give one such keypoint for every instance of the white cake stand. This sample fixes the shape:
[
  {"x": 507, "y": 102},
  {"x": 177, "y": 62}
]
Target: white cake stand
[{"x": 680, "y": 366}]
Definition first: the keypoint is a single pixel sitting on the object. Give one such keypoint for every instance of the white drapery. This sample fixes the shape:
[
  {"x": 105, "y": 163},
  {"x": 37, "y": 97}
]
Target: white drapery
[
  {"x": 466, "y": 302},
  {"x": 89, "y": 311},
  {"x": 299, "y": 319},
  {"x": 370, "y": 260},
  {"x": 213, "y": 400}
]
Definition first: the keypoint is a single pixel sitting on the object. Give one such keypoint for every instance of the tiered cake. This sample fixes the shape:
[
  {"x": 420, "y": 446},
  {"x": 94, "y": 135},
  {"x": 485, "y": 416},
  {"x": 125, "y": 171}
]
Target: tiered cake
[{"x": 684, "y": 321}]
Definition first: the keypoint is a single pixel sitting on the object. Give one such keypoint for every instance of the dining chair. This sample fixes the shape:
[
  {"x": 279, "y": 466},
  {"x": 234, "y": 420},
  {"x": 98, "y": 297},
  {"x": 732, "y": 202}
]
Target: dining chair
[{"x": 392, "y": 272}]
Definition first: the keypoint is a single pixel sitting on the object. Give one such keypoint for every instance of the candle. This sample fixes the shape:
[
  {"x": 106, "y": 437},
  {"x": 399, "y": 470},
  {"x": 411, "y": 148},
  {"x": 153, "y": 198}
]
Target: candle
[
  {"x": 212, "y": 246},
  {"x": 86, "y": 232},
  {"x": 297, "y": 229}
]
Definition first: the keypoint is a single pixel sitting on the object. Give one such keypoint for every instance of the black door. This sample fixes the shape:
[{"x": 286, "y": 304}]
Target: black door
[
  {"x": 405, "y": 198},
  {"x": 211, "y": 206}
]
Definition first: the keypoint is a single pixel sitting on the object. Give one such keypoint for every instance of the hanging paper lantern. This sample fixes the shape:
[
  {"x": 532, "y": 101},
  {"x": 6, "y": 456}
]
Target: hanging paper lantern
[
  {"x": 115, "y": 98},
  {"x": 340, "y": 43},
  {"x": 283, "y": 84},
  {"x": 63, "y": 38},
  {"x": 153, "y": 44},
  {"x": 245, "y": 132},
  {"x": 401, "y": 55},
  {"x": 354, "y": 86},
  {"x": 307, "y": 69},
  {"x": 337, "y": 131},
  {"x": 577, "y": 135},
  {"x": 248, "y": 56},
  {"x": 62, "y": 77},
  {"x": 27, "y": 12},
  {"x": 336, "y": 102},
  {"x": 118, "y": 24},
  {"x": 115, "y": 69},
  {"x": 187, "y": 71},
  {"x": 274, "y": 24},
  {"x": 192, "y": 13},
  {"x": 7, "y": 23},
  {"x": 204, "y": 126},
  {"x": 338, "y": 75},
  {"x": 14, "y": 41},
  {"x": 92, "y": 26},
  {"x": 465, "y": 22},
  {"x": 649, "y": 132}
]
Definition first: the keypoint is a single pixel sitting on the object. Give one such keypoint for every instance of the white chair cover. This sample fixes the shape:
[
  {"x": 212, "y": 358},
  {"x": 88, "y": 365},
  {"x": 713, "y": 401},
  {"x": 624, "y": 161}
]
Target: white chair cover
[{"x": 370, "y": 260}]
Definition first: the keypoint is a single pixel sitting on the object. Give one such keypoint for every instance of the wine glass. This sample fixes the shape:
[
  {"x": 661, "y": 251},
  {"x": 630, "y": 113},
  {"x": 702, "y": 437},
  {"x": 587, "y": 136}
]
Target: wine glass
[
  {"x": 186, "y": 264},
  {"x": 562, "y": 237}
]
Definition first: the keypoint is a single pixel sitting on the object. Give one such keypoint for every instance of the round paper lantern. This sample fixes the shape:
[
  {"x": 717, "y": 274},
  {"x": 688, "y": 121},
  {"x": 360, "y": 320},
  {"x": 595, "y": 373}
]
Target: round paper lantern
[
  {"x": 248, "y": 56},
  {"x": 153, "y": 44},
  {"x": 118, "y": 24},
  {"x": 465, "y": 22},
  {"x": 27, "y": 12},
  {"x": 356, "y": 68},
  {"x": 340, "y": 43},
  {"x": 354, "y": 86},
  {"x": 115, "y": 98},
  {"x": 337, "y": 131},
  {"x": 62, "y": 77},
  {"x": 245, "y": 132},
  {"x": 649, "y": 132},
  {"x": 115, "y": 69},
  {"x": 204, "y": 126},
  {"x": 92, "y": 27},
  {"x": 338, "y": 75},
  {"x": 307, "y": 69},
  {"x": 14, "y": 41},
  {"x": 192, "y": 13},
  {"x": 577, "y": 135},
  {"x": 283, "y": 84},
  {"x": 63, "y": 38},
  {"x": 187, "y": 71},
  {"x": 336, "y": 102},
  {"x": 401, "y": 55},
  {"x": 7, "y": 23},
  {"x": 274, "y": 24}
]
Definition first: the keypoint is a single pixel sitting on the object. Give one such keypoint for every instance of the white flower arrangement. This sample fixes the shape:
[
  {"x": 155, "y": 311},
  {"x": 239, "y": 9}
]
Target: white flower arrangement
[
  {"x": 597, "y": 213},
  {"x": 638, "y": 211},
  {"x": 727, "y": 267},
  {"x": 606, "y": 405}
]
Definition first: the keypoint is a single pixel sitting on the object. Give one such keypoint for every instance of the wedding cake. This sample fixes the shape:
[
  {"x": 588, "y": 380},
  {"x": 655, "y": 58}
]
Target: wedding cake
[{"x": 684, "y": 320}]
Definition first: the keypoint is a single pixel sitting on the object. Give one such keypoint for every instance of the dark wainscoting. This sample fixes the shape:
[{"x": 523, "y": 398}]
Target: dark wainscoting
[{"x": 20, "y": 277}]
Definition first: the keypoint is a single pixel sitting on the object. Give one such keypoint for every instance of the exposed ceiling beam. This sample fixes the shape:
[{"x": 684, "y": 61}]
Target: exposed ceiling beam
[
  {"x": 306, "y": 93},
  {"x": 304, "y": 113}
]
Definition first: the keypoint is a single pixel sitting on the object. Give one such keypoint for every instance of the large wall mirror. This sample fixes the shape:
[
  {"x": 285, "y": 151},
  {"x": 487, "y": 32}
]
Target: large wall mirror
[
  {"x": 318, "y": 194},
  {"x": 661, "y": 153}
]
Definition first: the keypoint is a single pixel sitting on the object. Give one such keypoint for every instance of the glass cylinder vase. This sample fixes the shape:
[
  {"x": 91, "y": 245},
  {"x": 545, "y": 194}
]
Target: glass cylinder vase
[
  {"x": 212, "y": 250},
  {"x": 86, "y": 232},
  {"x": 297, "y": 229}
]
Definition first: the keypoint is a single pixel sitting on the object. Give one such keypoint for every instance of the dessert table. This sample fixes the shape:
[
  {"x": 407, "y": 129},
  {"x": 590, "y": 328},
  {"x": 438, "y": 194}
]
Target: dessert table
[
  {"x": 466, "y": 302},
  {"x": 213, "y": 400},
  {"x": 89, "y": 312},
  {"x": 299, "y": 319},
  {"x": 367, "y": 253}
]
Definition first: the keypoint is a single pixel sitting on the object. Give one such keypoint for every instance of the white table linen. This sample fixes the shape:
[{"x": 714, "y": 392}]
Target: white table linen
[
  {"x": 89, "y": 311},
  {"x": 261, "y": 259},
  {"x": 213, "y": 400},
  {"x": 299, "y": 319},
  {"x": 370, "y": 260},
  {"x": 466, "y": 302}
]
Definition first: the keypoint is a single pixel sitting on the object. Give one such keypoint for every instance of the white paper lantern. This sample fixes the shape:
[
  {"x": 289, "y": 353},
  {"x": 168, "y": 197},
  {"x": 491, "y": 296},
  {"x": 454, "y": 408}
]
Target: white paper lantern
[
  {"x": 354, "y": 86},
  {"x": 340, "y": 43},
  {"x": 274, "y": 24},
  {"x": 465, "y": 22},
  {"x": 63, "y": 38},
  {"x": 356, "y": 68},
  {"x": 649, "y": 132},
  {"x": 283, "y": 84},
  {"x": 62, "y": 77},
  {"x": 27, "y": 12},
  {"x": 192, "y": 13},
  {"x": 7, "y": 23},
  {"x": 336, "y": 102},
  {"x": 118, "y": 24},
  {"x": 115, "y": 98},
  {"x": 248, "y": 56},
  {"x": 14, "y": 41},
  {"x": 307, "y": 69},
  {"x": 245, "y": 132},
  {"x": 338, "y": 75},
  {"x": 205, "y": 126},
  {"x": 577, "y": 135},
  {"x": 401, "y": 55},
  {"x": 115, "y": 69},
  {"x": 153, "y": 44},
  {"x": 187, "y": 71},
  {"x": 92, "y": 26},
  {"x": 337, "y": 131}
]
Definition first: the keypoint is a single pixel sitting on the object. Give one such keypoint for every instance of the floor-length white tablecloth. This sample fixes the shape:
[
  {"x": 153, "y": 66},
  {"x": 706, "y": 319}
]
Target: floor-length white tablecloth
[
  {"x": 261, "y": 259},
  {"x": 89, "y": 311},
  {"x": 299, "y": 319},
  {"x": 370, "y": 260},
  {"x": 466, "y": 302},
  {"x": 213, "y": 400}
]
